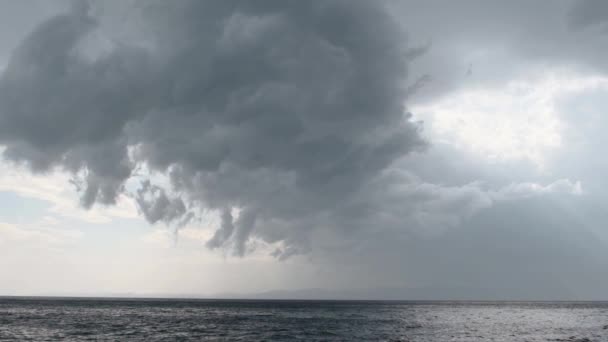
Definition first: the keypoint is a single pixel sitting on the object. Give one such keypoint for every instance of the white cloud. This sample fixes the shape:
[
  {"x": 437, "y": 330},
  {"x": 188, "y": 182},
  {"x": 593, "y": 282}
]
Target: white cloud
[
  {"x": 526, "y": 190},
  {"x": 518, "y": 121}
]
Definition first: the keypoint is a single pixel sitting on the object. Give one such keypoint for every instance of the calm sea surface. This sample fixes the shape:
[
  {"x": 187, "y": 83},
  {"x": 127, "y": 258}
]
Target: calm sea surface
[{"x": 179, "y": 320}]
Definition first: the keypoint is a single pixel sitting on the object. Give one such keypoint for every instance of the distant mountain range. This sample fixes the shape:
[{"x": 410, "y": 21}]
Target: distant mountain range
[
  {"x": 413, "y": 294},
  {"x": 463, "y": 293}
]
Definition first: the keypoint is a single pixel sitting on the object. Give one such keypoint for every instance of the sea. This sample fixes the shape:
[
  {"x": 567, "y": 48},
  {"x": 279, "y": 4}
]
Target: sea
[{"x": 89, "y": 319}]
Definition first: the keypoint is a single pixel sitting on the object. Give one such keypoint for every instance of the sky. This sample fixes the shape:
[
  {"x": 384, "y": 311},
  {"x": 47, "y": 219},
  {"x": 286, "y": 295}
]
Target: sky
[{"x": 382, "y": 149}]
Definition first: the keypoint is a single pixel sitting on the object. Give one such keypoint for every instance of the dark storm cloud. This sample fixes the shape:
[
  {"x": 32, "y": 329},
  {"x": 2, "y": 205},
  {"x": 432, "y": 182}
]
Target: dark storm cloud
[
  {"x": 283, "y": 109},
  {"x": 286, "y": 116}
]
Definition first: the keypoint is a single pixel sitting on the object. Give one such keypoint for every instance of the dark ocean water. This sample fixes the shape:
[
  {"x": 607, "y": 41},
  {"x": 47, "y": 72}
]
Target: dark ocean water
[{"x": 179, "y": 320}]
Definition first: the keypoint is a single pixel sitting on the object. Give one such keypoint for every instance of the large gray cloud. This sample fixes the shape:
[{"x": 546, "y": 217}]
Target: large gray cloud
[
  {"x": 283, "y": 109},
  {"x": 288, "y": 113}
]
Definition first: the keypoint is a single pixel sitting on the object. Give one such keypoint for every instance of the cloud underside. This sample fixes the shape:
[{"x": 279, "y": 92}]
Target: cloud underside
[{"x": 284, "y": 116}]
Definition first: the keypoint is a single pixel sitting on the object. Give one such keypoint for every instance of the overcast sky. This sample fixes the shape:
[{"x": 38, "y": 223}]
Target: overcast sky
[{"x": 209, "y": 147}]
